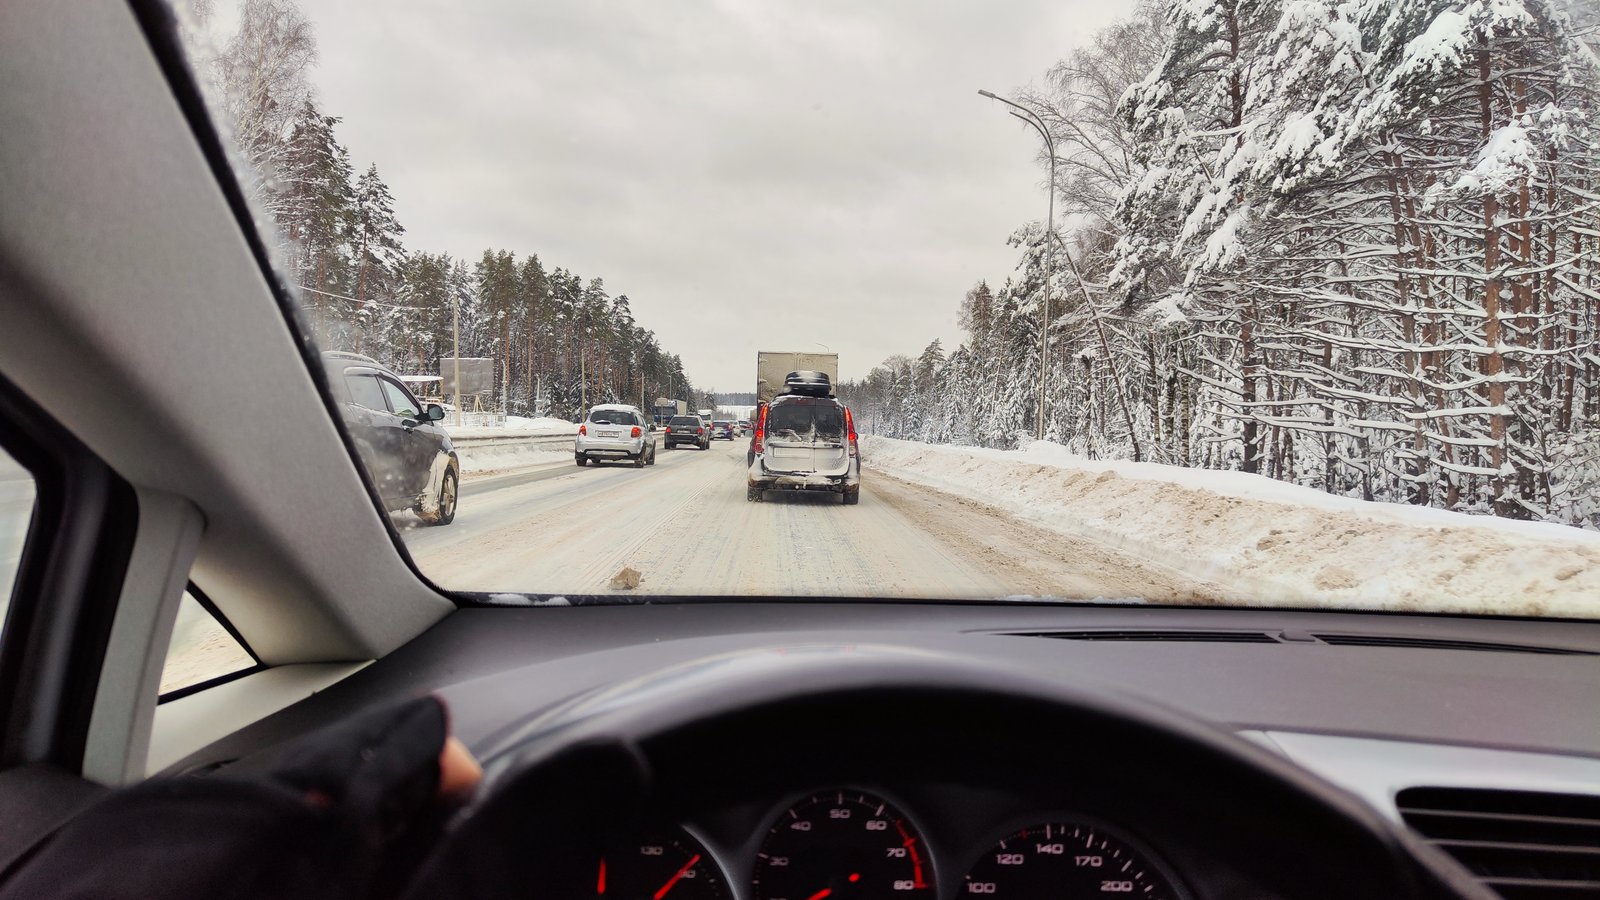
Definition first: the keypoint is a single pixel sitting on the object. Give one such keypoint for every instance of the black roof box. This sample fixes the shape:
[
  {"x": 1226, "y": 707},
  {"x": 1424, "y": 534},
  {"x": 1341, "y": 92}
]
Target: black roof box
[{"x": 808, "y": 384}]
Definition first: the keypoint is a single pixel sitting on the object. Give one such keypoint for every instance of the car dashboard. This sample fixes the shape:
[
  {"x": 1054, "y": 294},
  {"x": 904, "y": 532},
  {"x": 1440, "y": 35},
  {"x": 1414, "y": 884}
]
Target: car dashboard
[{"x": 927, "y": 796}]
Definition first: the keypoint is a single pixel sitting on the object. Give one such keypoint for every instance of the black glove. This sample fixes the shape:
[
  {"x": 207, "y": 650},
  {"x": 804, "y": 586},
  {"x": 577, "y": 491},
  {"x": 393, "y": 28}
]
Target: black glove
[{"x": 348, "y": 812}]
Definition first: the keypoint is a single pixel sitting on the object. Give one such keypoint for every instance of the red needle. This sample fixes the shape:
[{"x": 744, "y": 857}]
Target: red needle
[
  {"x": 679, "y": 874},
  {"x": 602, "y": 889},
  {"x": 820, "y": 894}
]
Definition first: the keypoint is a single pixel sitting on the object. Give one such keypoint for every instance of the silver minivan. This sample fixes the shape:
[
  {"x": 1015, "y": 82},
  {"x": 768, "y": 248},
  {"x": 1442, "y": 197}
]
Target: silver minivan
[
  {"x": 804, "y": 443},
  {"x": 616, "y": 431}
]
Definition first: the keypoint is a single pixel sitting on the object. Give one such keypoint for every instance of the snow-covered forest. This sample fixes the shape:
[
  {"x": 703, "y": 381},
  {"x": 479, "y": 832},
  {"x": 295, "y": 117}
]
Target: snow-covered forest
[
  {"x": 559, "y": 341},
  {"x": 1352, "y": 244}
]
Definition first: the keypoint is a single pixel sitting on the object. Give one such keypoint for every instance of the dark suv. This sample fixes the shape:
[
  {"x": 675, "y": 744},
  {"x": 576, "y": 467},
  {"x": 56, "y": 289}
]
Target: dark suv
[
  {"x": 686, "y": 430},
  {"x": 402, "y": 443}
]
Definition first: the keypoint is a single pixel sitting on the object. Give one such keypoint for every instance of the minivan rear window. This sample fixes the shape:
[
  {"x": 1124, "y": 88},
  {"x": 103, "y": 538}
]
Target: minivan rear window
[{"x": 805, "y": 418}]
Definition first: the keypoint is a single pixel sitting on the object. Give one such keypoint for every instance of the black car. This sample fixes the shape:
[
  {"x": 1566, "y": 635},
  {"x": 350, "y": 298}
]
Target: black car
[
  {"x": 686, "y": 430},
  {"x": 402, "y": 443}
]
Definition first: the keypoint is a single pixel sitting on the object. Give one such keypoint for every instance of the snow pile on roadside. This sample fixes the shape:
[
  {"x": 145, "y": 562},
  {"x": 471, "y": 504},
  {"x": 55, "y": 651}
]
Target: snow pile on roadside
[
  {"x": 1284, "y": 544},
  {"x": 479, "y": 459},
  {"x": 545, "y": 423},
  {"x": 515, "y": 424}
]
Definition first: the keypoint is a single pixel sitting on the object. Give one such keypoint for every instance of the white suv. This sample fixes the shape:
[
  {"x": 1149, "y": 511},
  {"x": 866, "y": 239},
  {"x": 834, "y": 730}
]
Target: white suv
[{"x": 615, "y": 431}]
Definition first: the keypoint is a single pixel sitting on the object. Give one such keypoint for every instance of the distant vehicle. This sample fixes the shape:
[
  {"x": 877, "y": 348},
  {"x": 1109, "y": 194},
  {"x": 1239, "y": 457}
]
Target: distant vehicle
[
  {"x": 773, "y": 367},
  {"x": 744, "y": 426},
  {"x": 666, "y": 408},
  {"x": 706, "y": 414},
  {"x": 722, "y": 430},
  {"x": 615, "y": 431},
  {"x": 805, "y": 440},
  {"x": 686, "y": 430},
  {"x": 406, "y": 450}
]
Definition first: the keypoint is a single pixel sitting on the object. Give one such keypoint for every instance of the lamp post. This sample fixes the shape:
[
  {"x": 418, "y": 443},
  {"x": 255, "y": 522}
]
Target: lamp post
[{"x": 1027, "y": 115}]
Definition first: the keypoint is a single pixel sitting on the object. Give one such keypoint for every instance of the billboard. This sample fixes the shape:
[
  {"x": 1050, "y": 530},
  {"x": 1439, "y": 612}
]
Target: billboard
[{"x": 477, "y": 375}]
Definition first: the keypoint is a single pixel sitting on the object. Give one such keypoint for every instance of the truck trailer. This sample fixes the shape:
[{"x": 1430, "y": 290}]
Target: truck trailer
[{"x": 772, "y": 367}]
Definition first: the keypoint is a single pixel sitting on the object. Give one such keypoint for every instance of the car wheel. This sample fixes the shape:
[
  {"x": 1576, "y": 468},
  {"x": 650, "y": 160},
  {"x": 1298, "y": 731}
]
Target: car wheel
[
  {"x": 652, "y": 456},
  {"x": 445, "y": 511},
  {"x": 752, "y": 493},
  {"x": 580, "y": 458},
  {"x": 851, "y": 498},
  {"x": 638, "y": 461},
  {"x": 449, "y": 493}
]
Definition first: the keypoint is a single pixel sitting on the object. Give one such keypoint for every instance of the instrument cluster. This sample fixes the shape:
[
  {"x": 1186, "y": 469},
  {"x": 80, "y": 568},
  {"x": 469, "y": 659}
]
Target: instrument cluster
[{"x": 851, "y": 844}]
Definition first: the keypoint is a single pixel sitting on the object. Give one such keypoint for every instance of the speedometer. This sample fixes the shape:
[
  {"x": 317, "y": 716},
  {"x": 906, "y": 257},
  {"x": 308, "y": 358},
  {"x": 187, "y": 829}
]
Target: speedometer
[
  {"x": 842, "y": 845},
  {"x": 668, "y": 865},
  {"x": 1066, "y": 861}
]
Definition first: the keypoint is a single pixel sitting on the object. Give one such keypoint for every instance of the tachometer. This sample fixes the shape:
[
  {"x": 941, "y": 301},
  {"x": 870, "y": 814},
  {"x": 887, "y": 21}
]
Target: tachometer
[
  {"x": 842, "y": 845},
  {"x": 1066, "y": 861},
  {"x": 670, "y": 866}
]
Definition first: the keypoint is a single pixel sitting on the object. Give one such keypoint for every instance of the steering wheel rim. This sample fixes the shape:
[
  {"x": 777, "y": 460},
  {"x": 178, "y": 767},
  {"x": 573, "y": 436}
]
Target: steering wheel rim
[{"x": 597, "y": 764}]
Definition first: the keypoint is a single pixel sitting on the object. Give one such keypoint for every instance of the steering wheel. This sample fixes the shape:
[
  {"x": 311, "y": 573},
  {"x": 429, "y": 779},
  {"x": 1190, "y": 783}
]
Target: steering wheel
[{"x": 696, "y": 737}]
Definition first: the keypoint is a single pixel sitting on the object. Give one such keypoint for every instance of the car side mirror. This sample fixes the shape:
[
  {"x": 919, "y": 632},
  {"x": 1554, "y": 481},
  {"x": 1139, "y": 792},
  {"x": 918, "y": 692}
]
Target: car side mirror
[{"x": 434, "y": 413}]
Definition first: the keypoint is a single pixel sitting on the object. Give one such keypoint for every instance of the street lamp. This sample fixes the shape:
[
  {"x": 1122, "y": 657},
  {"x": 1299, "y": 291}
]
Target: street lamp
[{"x": 1027, "y": 115}]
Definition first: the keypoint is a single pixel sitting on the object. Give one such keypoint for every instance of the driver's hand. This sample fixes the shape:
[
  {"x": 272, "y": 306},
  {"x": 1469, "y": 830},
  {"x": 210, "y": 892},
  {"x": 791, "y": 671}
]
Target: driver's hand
[{"x": 348, "y": 811}]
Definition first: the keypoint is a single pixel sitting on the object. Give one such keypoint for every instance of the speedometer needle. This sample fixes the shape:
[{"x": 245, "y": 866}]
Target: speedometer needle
[
  {"x": 820, "y": 894},
  {"x": 677, "y": 875}
]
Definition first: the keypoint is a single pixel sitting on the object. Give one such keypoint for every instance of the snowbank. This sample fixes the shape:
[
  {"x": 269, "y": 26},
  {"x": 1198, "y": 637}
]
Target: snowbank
[
  {"x": 480, "y": 460},
  {"x": 1283, "y": 544},
  {"x": 519, "y": 424},
  {"x": 548, "y": 423}
]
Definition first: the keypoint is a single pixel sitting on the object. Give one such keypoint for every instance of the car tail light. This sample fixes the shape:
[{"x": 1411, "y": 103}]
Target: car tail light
[
  {"x": 699, "y": 431},
  {"x": 761, "y": 431},
  {"x": 850, "y": 429},
  {"x": 583, "y": 429},
  {"x": 669, "y": 429},
  {"x": 637, "y": 431}
]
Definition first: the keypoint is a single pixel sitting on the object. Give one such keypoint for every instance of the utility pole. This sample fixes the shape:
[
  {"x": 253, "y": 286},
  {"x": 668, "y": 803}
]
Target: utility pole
[
  {"x": 1027, "y": 115},
  {"x": 455, "y": 348}
]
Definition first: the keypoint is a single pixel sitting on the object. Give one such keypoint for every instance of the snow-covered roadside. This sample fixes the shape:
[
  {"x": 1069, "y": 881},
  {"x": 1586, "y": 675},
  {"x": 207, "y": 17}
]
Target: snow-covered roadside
[
  {"x": 522, "y": 442},
  {"x": 513, "y": 450},
  {"x": 1286, "y": 545},
  {"x": 483, "y": 460},
  {"x": 514, "y": 425}
]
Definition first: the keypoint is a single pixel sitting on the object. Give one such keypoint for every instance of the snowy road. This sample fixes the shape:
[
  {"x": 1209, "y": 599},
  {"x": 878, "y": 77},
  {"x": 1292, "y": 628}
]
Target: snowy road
[{"x": 685, "y": 525}]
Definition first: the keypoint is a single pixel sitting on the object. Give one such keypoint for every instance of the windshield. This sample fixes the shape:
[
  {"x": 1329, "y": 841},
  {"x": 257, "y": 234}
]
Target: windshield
[
  {"x": 1167, "y": 301},
  {"x": 613, "y": 417}
]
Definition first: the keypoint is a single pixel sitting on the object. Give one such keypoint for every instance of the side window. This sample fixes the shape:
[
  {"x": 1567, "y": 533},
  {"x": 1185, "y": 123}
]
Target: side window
[
  {"x": 16, "y": 514},
  {"x": 201, "y": 649},
  {"x": 400, "y": 400},
  {"x": 365, "y": 392}
]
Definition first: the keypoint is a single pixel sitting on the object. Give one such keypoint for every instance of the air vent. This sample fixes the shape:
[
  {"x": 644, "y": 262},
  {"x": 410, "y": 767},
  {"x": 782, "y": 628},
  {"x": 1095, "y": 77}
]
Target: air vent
[
  {"x": 1382, "y": 640},
  {"x": 1524, "y": 845},
  {"x": 1192, "y": 637}
]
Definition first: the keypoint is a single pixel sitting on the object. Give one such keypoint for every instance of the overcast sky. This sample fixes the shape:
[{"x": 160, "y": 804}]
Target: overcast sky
[{"x": 775, "y": 175}]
